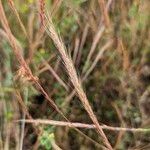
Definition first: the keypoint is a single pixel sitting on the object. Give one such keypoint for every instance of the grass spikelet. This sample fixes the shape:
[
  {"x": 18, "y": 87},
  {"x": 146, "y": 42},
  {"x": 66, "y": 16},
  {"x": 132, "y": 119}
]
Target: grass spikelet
[{"x": 74, "y": 78}]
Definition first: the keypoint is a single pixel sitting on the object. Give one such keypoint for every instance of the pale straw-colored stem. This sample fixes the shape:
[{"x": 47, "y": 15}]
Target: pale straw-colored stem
[
  {"x": 83, "y": 125},
  {"x": 74, "y": 78}
]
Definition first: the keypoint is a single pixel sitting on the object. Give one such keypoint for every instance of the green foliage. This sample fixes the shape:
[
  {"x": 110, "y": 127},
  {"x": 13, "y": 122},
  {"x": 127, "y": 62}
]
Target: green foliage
[
  {"x": 9, "y": 115},
  {"x": 141, "y": 17},
  {"x": 41, "y": 54},
  {"x": 7, "y": 63},
  {"x": 78, "y": 2},
  {"x": 47, "y": 137},
  {"x": 61, "y": 93},
  {"x": 133, "y": 12},
  {"x": 68, "y": 25}
]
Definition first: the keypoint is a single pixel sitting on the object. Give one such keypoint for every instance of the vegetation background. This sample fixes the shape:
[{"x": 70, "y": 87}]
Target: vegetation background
[{"x": 58, "y": 55}]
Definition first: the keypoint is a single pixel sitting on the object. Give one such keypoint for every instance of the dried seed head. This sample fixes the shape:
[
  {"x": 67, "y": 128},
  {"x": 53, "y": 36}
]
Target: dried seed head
[
  {"x": 11, "y": 3},
  {"x": 42, "y": 12},
  {"x": 24, "y": 76}
]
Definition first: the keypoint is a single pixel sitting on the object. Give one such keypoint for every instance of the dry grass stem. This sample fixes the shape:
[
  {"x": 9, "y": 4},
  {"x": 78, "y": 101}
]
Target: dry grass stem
[
  {"x": 96, "y": 38},
  {"x": 82, "y": 125},
  {"x": 56, "y": 76},
  {"x": 98, "y": 57},
  {"x": 93, "y": 47},
  {"x": 12, "y": 5},
  {"x": 104, "y": 12},
  {"x": 74, "y": 79}
]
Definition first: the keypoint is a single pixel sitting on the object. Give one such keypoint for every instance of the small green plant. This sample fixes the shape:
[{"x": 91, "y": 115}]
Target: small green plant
[{"x": 47, "y": 137}]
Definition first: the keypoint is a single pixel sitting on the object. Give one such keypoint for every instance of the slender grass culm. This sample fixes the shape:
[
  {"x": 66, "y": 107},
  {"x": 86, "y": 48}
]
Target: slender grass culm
[{"x": 73, "y": 77}]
